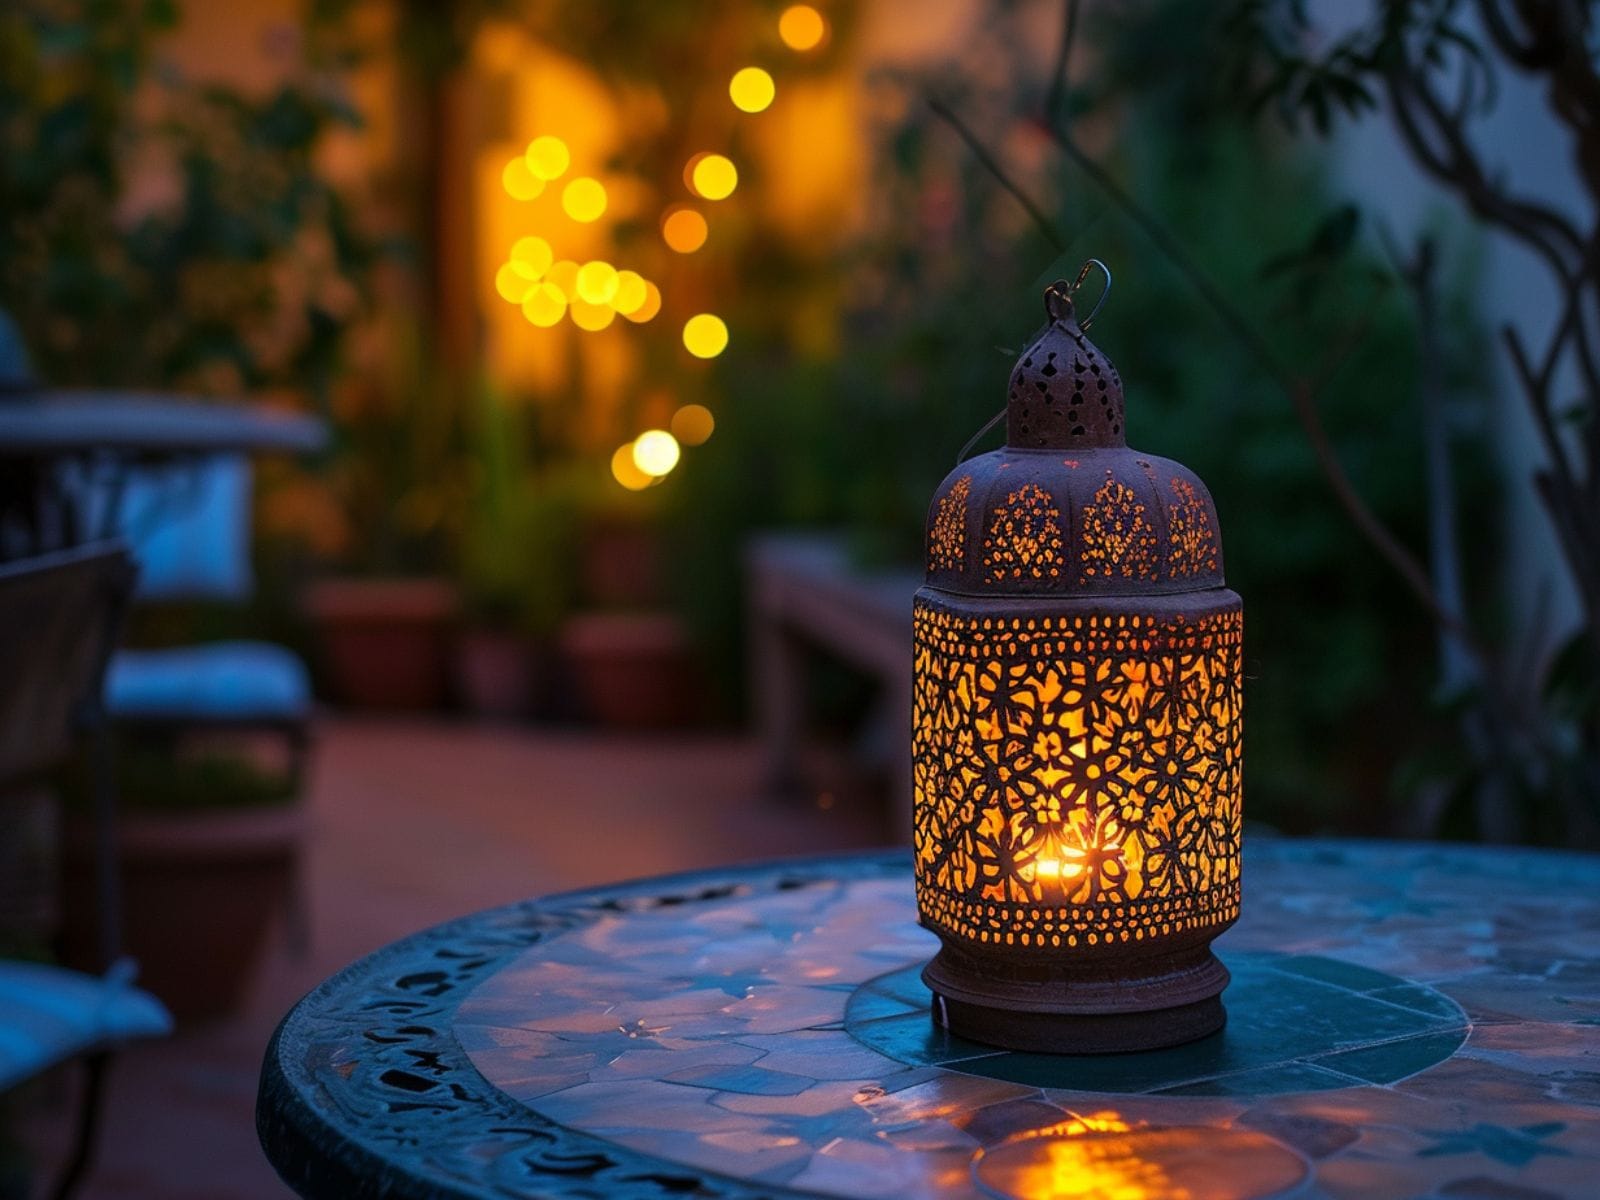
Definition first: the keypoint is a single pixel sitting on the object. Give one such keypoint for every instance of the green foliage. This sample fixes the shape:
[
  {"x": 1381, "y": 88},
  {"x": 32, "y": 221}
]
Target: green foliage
[
  {"x": 155, "y": 231},
  {"x": 949, "y": 289},
  {"x": 152, "y": 778}
]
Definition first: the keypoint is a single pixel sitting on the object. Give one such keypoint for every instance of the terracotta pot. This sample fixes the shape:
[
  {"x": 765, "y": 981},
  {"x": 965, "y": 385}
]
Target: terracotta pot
[
  {"x": 632, "y": 671},
  {"x": 200, "y": 892},
  {"x": 494, "y": 673},
  {"x": 619, "y": 564},
  {"x": 385, "y": 642}
]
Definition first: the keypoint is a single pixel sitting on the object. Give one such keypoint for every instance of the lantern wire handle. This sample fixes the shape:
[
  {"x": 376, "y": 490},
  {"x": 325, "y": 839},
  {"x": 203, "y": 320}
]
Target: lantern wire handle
[{"x": 1058, "y": 304}]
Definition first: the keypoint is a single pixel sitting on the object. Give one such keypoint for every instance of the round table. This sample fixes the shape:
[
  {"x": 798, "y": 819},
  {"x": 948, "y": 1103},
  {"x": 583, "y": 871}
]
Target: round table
[{"x": 1404, "y": 1020}]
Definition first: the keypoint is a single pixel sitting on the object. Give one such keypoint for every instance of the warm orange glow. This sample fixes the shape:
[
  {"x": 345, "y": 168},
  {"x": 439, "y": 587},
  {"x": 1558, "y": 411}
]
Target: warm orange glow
[
  {"x": 713, "y": 176},
  {"x": 564, "y": 275},
  {"x": 705, "y": 335},
  {"x": 655, "y": 452},
  {"x": 512, "y": 284},
  {"x": 591, "y": 317},
  {"x": 650, "y": 307},
  {"x": 751, "y": 89},
  {"x": 1076, "y": 779},
  {"x": 545, "y": 305},
  {"x": 801, "y": 27},
  {"x": 684, "y": 229},
  {"x": 693, "y": 424},
  {"x": 626, "y": 472},
  {"x": 530, "y": 257},
  {"x": 547, "y": 157},
  {"x": 584, "y": 199},
  {"x": 632, "y": 291},
  {"x": 597, "y": 283},
  {"x": 521, "y": 183}
]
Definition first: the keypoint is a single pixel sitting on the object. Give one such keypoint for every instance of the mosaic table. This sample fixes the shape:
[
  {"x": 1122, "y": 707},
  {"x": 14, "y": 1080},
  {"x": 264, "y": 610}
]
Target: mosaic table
[{"x": 1404, "y": 1021}]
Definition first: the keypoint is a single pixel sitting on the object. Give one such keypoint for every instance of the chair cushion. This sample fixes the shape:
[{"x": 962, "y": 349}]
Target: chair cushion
[
  {"x": 50, "y": 1014},
  {"x": 216, "y": 681}
]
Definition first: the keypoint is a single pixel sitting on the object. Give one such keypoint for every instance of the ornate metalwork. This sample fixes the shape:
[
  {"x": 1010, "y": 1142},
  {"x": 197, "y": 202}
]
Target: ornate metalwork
[
  {"x": 366, "y": 1092},
  {"x": 1076, "y": 728}
]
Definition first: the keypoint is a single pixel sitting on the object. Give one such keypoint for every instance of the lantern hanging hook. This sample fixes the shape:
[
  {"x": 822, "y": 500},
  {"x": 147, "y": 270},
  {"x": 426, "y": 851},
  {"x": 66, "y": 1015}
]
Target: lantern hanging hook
[{"x": 1058, "y": 297}]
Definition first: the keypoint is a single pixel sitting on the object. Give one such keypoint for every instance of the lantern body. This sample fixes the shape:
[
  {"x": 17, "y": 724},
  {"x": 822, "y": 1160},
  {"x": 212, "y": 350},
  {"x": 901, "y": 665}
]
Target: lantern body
[{"x": 1076, "y": 729}]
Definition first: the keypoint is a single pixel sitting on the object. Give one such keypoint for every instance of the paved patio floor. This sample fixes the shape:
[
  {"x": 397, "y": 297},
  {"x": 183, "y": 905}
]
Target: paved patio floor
[{"x": 414, "y": 823}]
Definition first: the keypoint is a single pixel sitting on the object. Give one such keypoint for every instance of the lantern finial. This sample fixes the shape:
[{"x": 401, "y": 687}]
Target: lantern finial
[{"x": 1065, "y": 394}]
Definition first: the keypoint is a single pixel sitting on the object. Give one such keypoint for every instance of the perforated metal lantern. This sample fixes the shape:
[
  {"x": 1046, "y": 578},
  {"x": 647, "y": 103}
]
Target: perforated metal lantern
[{"x": 1076, "y": 739}]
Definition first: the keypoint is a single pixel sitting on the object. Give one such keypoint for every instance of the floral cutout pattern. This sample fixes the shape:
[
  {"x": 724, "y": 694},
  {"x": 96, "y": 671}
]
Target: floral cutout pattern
[
  {"x": 1192, "y": 539},
  {"x": 1076, "y": 778},
  {"x": 1118, "y": 540},
  {"x": 947, "y": 541},
  {"x": 1024, "y": 539}
]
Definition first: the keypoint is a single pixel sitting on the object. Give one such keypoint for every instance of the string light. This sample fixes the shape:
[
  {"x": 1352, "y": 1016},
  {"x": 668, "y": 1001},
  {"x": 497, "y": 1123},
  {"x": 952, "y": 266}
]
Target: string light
[
  {"x": 519, "y": 181},
  {"x": 626, "y": 471},
  {"x": 751, "y": 89},
  {"x": 705, "y": 335},
  {"x": 597, "y": 282},
  {"x": 512, "y": 284},
  {"x": 544, "y": 305},
  {"x": 684, "y": 230},
  {"x": 591, "y": 317},
  {"x": 650, "y": 307},
  {"x": 632, "y": 292},
  {"x": 713, "y": 176},
  {"x": 801, "y": 27},
  {"x": 656, "y": 452},
  {"x": 564, "y": 275},
  {"x": 585, "y": 199},
  {"x": 531, "y": 256},
  {"x": 547, "y": 157},
  {"x": 692, "y": 424}
]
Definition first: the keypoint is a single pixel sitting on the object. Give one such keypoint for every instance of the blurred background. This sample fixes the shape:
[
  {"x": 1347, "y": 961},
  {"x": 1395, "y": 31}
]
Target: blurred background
[{"x": 636, "y": 337}]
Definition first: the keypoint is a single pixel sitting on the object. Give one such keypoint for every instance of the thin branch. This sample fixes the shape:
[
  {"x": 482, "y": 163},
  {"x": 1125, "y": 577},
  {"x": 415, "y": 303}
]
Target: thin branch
[
  {"x": 989, "y": 162},
  {"x": 1058, "y": 72}
]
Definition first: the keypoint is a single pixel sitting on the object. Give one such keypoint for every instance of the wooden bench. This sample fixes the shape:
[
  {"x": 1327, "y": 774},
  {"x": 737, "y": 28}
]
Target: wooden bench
[{"x": 803, "y": 591}]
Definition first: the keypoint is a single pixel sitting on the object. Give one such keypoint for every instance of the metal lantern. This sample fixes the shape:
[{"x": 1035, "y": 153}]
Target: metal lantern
[{"x": 1076, "y": 730}]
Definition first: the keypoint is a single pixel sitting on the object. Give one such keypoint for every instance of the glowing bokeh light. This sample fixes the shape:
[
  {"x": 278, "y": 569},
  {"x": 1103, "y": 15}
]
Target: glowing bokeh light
[
  {"x": 626, "y": 472},
  {"x": 512, "y": 284},
  {"x": 692, "y": 424},
  {"x": 530, "y": 257},
  {"x": 564, "y": 275},
  {"x": 705, "y": 335},
  {"x": 801, "y": 27},
  {"x": 650, "y": 307},
  {"x": 751, "y": 89},
  {"x": 520, "y": 182},
  {"x": 547, "y": 157},
  {"x": 597, "y": 282},
  {"x": 632, "y": 291},
  {"x": 655, "y": 452},
  {"x": 545, "y": 305},
  {"x": 585, "y": 199},
  {"x": 684, "y": 230},
  {"x": 714, "y": 177},
  {"x": 591, "y": 317}
]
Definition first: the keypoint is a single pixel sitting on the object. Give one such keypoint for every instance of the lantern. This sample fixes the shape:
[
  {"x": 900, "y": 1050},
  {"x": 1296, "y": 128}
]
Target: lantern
[{"x": 1076, "y": 728}]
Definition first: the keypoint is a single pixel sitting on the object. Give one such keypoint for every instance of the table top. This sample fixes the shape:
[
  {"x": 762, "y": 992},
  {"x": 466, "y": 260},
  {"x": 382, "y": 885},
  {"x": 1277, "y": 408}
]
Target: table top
[
  {"x": 1405, "y": 1020},
  {"x": 65, "y": 421}
]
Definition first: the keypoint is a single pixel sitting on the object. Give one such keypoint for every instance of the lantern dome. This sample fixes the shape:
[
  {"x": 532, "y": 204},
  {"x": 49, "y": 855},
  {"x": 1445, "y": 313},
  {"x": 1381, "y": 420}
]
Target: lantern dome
[{"x": 1066, "y": 507}]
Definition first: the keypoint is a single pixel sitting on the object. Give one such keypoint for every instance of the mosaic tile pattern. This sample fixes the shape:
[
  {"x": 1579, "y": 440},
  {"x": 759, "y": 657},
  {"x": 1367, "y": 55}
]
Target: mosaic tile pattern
[
  {"x": 739, "y": 1038},
  {"x": 1437, "y": 1034}
]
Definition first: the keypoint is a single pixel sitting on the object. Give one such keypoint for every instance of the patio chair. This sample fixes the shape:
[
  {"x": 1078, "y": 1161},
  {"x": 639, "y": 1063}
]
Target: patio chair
[
  {"x": 59, "y": 614},
  {"x": 189, "y": 525}
]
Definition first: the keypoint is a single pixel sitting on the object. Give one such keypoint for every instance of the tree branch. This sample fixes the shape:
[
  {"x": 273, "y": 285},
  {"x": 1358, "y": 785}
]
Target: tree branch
[{"x": 992, "y": 165}]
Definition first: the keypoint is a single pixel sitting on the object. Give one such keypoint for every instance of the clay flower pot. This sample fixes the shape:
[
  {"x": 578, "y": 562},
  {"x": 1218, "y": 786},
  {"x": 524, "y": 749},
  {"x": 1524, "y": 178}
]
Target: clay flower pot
[
  {"x": 494, "y": 673},
  {"x": 385, "y": 642},
  {"x": 200, "y": 892},
  {"x": 632, "y": 670}
]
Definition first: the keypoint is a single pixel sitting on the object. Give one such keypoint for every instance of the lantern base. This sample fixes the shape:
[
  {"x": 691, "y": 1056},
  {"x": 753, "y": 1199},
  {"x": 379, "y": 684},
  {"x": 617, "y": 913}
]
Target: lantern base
[{"x": 1111, "y": 1014}]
